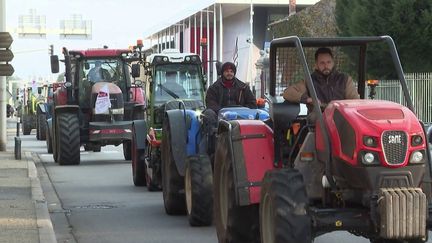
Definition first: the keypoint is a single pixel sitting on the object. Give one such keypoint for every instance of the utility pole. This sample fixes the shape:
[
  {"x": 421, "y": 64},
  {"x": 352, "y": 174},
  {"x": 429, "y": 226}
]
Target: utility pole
[{"x": 3, "y": 132}]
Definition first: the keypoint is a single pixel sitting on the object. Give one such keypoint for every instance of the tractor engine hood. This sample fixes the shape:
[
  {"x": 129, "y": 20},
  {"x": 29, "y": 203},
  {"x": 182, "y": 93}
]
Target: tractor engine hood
[
  {"x": 115, "y": 96},
  {"x": 382, "y": 127}
]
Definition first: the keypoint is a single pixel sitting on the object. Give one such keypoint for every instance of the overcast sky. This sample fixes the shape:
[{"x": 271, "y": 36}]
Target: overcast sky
[{"x": 115, "y": 23}]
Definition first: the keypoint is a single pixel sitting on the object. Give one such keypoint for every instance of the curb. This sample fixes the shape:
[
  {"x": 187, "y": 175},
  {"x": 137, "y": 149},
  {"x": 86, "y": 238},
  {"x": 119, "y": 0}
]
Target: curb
[{"x": 43, "y": 219}]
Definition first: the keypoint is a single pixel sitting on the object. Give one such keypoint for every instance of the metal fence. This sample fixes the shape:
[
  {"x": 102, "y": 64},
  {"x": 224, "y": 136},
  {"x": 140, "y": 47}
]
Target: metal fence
[{"x": 420, "y": 88}]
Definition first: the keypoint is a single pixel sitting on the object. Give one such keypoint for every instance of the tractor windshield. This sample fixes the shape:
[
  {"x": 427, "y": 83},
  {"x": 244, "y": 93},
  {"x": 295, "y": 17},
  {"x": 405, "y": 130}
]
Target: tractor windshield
[
  {"x": 177, "y": 81},
  {"x": 106, "y": 70}
]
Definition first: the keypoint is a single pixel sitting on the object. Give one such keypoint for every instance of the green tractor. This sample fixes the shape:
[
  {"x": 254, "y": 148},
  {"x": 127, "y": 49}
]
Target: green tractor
[
  {"x": 29, "y": 109},
  {"x": 172, "y": 80}
]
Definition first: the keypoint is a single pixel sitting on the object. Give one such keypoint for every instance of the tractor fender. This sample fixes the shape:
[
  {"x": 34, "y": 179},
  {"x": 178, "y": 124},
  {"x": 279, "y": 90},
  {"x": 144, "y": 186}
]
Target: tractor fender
[
  {"x": 177, "y": 125},
  {"x": 140, "y": 133},
  {"x": 252, "y": 155},
  {"x": 66, "y": 109}
]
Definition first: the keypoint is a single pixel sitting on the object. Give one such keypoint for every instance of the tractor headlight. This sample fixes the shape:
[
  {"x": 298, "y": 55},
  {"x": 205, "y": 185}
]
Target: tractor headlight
[
  {"x": 68, "y": 84},
  {"x": 187, "y": 59},
  {"x": 369, "y": 158},
  {"x": 165, "y": 59},
  {"x": 417, "y": 157},
  {"x": 370, "y": 141},
  {"x": 416, "y": 140}
]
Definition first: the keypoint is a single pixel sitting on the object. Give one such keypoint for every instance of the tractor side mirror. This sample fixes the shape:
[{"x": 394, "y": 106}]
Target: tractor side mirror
[
  {"x": 39, "y": 90},
  {"x": 54, "y": 64},
  {"x": 135, "y": 70},
  {"x": 87, "y": 66}
]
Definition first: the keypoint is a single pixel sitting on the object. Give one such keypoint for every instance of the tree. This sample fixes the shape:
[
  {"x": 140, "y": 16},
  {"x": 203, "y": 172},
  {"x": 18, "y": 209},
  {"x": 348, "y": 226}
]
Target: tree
[{"x": 408, "y": 22}]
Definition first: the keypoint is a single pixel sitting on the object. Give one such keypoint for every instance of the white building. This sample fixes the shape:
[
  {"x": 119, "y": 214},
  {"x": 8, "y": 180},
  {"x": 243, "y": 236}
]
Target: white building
[{"x": 226, "y": 30}]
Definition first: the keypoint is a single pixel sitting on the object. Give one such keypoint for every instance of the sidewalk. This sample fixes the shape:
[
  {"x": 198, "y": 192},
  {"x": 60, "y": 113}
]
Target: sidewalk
[{"x": 24, "y": 215}]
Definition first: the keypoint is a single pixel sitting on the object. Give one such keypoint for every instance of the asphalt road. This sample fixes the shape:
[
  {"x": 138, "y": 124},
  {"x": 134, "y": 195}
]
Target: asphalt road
[{"x": 97, "y": 202}]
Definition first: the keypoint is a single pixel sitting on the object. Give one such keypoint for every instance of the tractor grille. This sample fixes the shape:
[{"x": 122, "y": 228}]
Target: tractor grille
[
  {"x": 402, "y": 213},
  {"x": 394, "y": 146}
]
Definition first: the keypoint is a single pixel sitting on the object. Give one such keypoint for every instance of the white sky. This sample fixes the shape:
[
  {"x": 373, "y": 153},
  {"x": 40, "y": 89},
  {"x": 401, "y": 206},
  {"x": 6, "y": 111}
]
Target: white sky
[{"x": 115, "y": 23}]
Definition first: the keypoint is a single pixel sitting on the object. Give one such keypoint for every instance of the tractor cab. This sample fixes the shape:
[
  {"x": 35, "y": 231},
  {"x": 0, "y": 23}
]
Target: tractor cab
[{"x": 171, "y": 77}]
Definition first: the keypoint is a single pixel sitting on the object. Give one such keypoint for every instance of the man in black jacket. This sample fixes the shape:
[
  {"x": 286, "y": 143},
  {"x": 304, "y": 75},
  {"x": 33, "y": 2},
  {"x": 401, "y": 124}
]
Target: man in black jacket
[
  {"x": 229, "y": 91},
  {"x": 226, "y": 91}
]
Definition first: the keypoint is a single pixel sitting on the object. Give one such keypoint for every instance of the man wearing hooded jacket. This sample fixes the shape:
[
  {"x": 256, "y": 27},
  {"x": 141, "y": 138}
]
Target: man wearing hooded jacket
[
  {"x": 229, "y": 91},
  {"x": 226, "y": 91}
]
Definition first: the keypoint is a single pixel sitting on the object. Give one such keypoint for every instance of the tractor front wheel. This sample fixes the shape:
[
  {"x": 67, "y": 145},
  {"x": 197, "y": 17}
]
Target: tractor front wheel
[
  {"x": 172, "y": 182},
  {"x": 48, "y": 140},
  {"x": 26, "y": 124},
  {"x": 283, "y": 214},
  {"x": 127, "y": 150},
  {"x": 234, "y": 223},
  {"x": 138, "y": 163},
  {"x": 41, "y": 126},
  {"x": 199, "y": 190},
  {"x": 68, "y": 140}
]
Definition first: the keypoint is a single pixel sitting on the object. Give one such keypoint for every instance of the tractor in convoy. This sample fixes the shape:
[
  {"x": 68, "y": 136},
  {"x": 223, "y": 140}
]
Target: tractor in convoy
[
  {"x": 172, "y": 80},
  {"x": 45, "y": 93},
  {"x": 363, "y": 166},
  {"x": 28, "y": 114},
  {"x": 96, "y": 105}
]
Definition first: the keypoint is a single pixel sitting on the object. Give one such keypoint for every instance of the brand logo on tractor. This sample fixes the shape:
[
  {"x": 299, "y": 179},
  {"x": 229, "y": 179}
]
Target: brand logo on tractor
[{"x": 394, "y": 139}]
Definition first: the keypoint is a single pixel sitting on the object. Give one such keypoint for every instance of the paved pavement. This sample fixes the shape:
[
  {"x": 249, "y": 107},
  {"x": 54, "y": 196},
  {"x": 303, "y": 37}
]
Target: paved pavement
[{"x": 24, "y": 215}]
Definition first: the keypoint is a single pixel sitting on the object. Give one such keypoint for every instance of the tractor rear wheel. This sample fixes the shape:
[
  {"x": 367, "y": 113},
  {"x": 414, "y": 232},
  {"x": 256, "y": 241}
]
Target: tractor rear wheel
[
  {"x": 199, "y": 190},
  {"x": 283, "y": 214},
  {"x": 68, "y": 140},
  {"x": 138, "y": 163},
  {"x": 172, "y": 182},
  {"x": 234, "y": 223}
]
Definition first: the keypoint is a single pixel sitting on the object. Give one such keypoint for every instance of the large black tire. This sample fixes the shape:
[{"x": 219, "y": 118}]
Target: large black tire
[
  {"x": 283, "y": 208},
  {"x": 127, "y": 150},
  {"x": 234, "y": 223},
  {"x": 68, "y": 140},
  {"x": 138, "y": 163},
  {"x": 199, "y": 190},
  {"x": 48, "y": 140},
  {"x": 41, "y": 126},
  {"x": 172, "y": 182},
  {"x": 26, "y": 124}
]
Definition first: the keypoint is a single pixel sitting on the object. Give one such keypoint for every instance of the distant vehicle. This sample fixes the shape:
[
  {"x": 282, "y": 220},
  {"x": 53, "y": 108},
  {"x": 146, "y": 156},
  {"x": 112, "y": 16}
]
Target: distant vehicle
[{"x": 96, "y": 105}]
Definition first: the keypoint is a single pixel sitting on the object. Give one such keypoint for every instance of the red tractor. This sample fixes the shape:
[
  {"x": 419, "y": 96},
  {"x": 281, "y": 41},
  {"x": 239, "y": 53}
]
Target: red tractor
[
  {"x": 363, "y": 166},
  {"x": 96, "y": 105}
]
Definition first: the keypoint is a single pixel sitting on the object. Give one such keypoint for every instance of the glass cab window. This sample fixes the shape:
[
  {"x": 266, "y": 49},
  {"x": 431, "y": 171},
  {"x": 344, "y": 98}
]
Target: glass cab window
[{"x": 177, "y": 81}]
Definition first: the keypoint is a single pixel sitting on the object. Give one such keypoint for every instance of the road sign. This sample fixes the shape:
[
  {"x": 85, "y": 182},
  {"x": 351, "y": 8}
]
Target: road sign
[
  {"x": 6, "y": 55},
  {"x": 6, "y": 70},
  {"x": 5, "y": 40}
]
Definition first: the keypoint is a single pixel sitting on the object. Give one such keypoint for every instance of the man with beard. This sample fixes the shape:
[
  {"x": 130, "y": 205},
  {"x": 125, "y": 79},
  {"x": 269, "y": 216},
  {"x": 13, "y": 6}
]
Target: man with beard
[
  {"x": 329, "y": 83},
  {"x": 229, "y": 91},
  {"x": 226, "y": 91}
]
